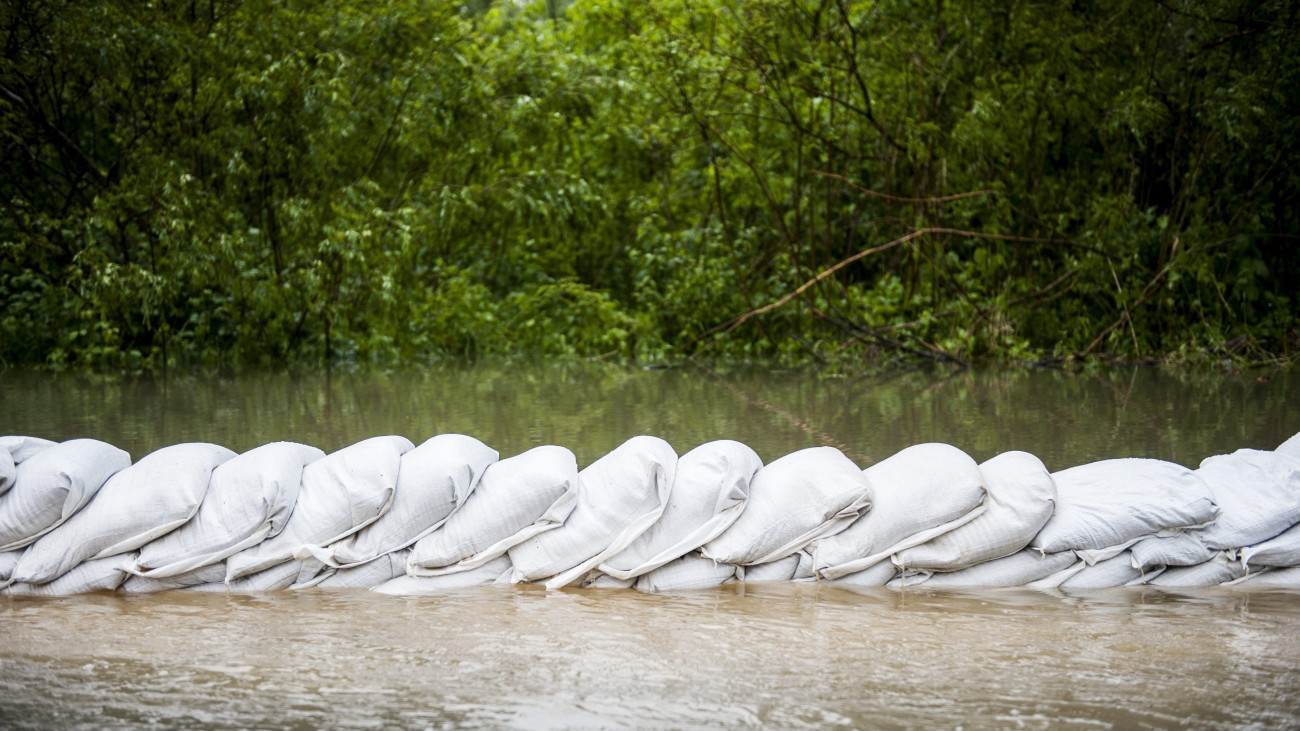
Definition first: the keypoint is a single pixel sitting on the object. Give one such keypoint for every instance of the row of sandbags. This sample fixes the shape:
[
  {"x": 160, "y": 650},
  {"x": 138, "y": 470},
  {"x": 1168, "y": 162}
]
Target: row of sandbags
[{"x": 78, "y": 516}]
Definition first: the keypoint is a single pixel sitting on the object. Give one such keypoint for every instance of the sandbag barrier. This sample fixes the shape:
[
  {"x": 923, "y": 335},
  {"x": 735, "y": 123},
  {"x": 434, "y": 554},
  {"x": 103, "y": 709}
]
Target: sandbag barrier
[{"x": 396, "y": 518}]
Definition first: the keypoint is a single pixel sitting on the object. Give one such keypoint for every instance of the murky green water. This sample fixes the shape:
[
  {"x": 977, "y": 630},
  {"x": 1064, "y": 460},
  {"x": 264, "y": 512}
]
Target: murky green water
[
  {"x": 773, "y": 656},
  {"x": 1064, "y": 419}
]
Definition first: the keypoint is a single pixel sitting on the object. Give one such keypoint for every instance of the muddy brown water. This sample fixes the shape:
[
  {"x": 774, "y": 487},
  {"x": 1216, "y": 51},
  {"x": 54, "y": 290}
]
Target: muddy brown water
[{"x": 781, "y": 656}]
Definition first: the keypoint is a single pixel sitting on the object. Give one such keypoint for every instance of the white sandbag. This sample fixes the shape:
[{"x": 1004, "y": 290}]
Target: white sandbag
[
  {"x": 340, "y": 494},
  {"x": 920, "y": 493},
  {"x": 1183, "y": 549},
  {"x": 709, "y": 492},
  {"x": 792, "y": 501},
  {"x": 249, "y": 499},
  {"x": 878, "y": 574},
  {"x": 782, "y": 569},
  {"x": 516, "y": 499},
  {"x": 435, "y": 479},
  {"x": 8, "y": 560},
  {"x": 8, "y": 471},
  {"x": 620, "y": 496},
  {"x": 210, "y": 573},
  {"x": 1021, "y": 498},
  {"x": 496, "y": 570},
  {"x": 688, "y": 572},
  {"x": 1116, "y": 501},
  {"x": 1258, "y": 494},
  {"x": 53, "y": 484},
  {"x": 1117, "y": 571},
  {"x": 21, "y": 448},
  {"x": 364, "y": 576},
  {"x": 14, "y": 450},
  {"x": 1281, "y": 550},
  {"x": 1217, "y": 570},
  {"x": 1288, "y": 578},
  {"x": 280, "y": 576},
  {"x": 1018, "y": 569},
  {"x": 605, "y": 581},
  {"x": 1290, "y": 447},
  {"x": 104, "y": 574},
  {"x": 142, "y": 502}
]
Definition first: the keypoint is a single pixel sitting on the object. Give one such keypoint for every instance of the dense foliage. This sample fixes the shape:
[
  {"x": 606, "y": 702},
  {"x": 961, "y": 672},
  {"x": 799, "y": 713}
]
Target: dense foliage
[{"x": 234, "y": 182}]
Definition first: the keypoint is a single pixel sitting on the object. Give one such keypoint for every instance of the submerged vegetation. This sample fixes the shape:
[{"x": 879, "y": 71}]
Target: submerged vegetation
[{"x": 257, "y": 182}]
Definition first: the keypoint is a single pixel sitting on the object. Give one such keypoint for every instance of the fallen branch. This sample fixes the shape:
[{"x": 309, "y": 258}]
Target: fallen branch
[
  {"x": 901, "y": 199},
  {"x": 735, "y": 322},
  {"x": 739, "y": 320}
]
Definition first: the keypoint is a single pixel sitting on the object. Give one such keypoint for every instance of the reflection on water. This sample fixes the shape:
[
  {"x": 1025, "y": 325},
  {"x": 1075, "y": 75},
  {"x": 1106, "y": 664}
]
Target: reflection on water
[
  {"x": 787, "y": 656},
  {"x": 790, "y": 656},
  {"x": 1064, "y": 419}
]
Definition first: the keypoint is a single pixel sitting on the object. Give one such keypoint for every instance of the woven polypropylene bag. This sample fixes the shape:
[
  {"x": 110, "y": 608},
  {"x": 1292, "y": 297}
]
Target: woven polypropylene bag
[
  {"x": 142, "y": 502},
  {"x": 792, "y": 501}
]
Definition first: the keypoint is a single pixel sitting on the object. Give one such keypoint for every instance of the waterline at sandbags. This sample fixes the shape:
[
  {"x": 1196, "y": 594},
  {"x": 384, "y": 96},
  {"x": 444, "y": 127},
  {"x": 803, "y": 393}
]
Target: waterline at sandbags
[{"x": 447, "y": 515}]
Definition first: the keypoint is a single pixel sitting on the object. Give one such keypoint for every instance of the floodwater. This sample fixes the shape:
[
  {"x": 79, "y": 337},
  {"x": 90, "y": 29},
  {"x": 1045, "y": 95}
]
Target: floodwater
[{"x": 782, "y": 656}]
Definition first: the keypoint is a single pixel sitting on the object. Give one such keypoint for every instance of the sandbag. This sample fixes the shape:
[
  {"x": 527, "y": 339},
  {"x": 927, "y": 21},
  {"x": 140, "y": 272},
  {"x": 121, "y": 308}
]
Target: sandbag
[
  {"x": 792, "y": 501},
  {"x": 1258, "y": 494},
  {"x": 207, "y": 574},
  {"x": 922, "y": 492},
  {"x": 52, "y": 484},
  {"x": 1290, "y": 447},
  {"x": 8, "y": 560},
  {"x": 496, "y": 570},
  {"x": 1018, "y": 569},
  {"x": 620, "y": 496},
  {"x": 22, "y": 448},
  {"x": 710, "y": 489},
  {"x": 1288, "y": 578},
  {"x": 1117, "y": 501},
  {"x": 142, "y": 502},
  {"x": 1117, "y": 571},
  {"x": 878, "y": 574},
  {"x": 782, "y": 569},
  {"x": 516, "y": 498},
  {"x": 435, "y": 479},
  {"x": 688, "y": 572},
  {"x": 280, "y": 576},
  {"x": 14, "y": 450},
  {"x": 363, "y": 576},
  {"x": 1021, "y": 498},
  {"x": 1183, "y": 549},
  {"x": 249, "y": 499},
  {"x": 598, "y": 580},
  {"x": 8, "y": 471},
  {"x": 1281, "y": 550},
  {"x": 340, "y": 494},
  {"x": 104, "y": 574},
  {"x": 1217, "y": 570}
]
